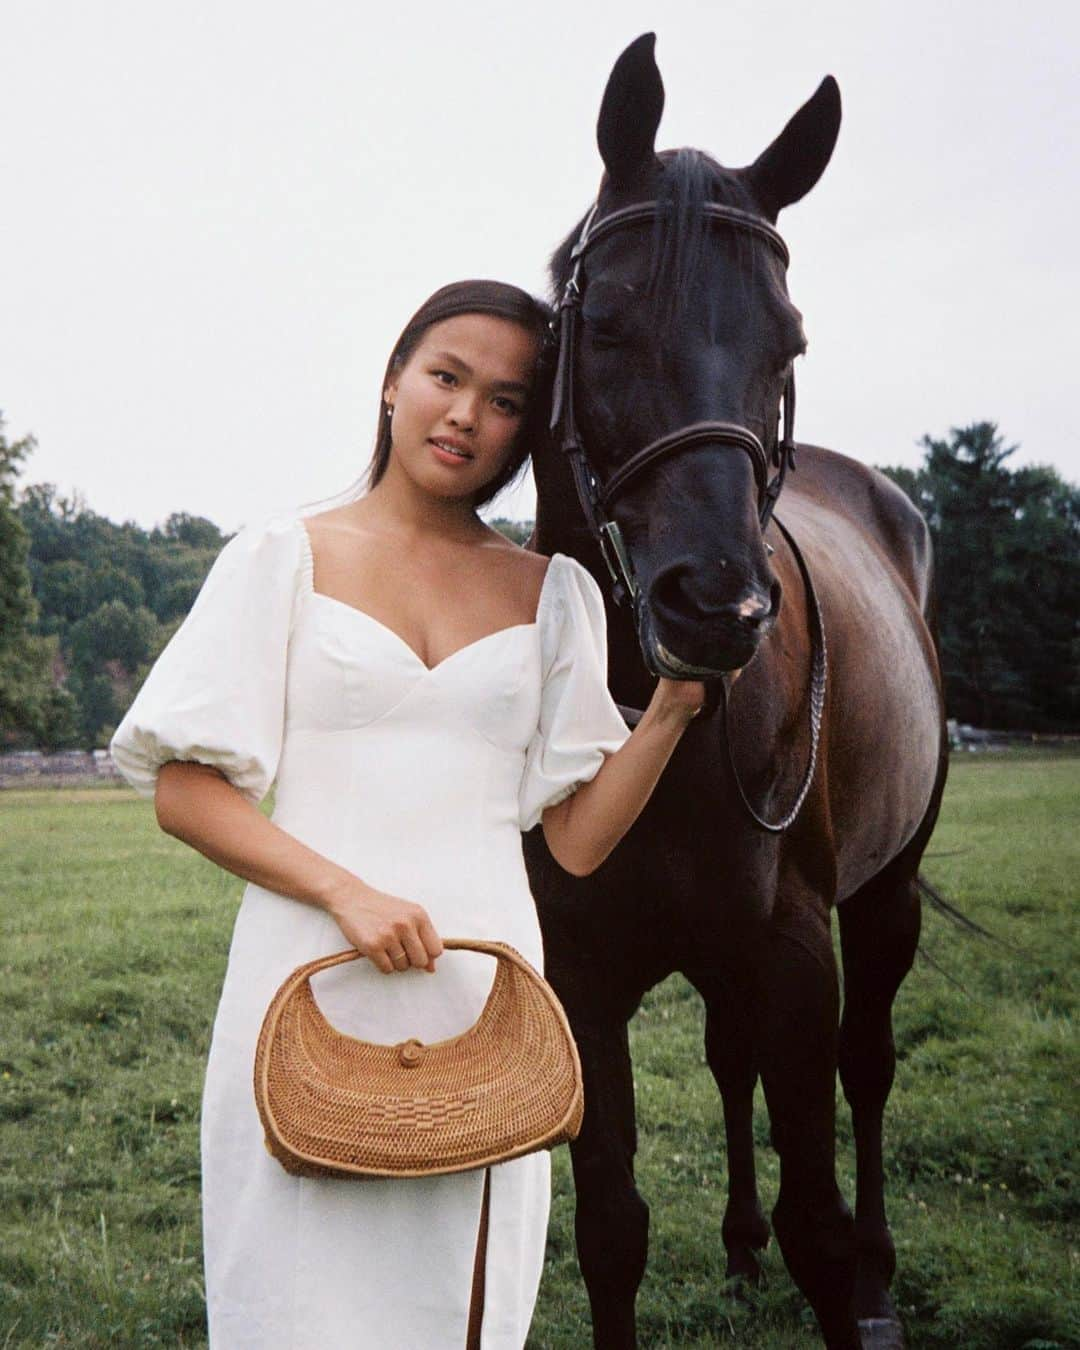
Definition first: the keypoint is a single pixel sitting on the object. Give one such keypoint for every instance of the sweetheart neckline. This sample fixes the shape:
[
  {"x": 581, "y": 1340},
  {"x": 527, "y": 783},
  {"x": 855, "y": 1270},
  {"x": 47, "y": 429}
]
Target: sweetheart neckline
[
  {"x": 406, "y": 646},
  {"x": 309, "y": 575}
]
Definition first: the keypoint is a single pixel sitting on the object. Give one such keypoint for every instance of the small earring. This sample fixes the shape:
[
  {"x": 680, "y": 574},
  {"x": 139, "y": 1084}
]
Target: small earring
[{"x": 389, "y": 410}]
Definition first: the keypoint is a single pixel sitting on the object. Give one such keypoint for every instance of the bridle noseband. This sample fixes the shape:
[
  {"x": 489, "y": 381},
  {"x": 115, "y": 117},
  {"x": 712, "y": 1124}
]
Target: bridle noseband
[{"x": 597, "y": 498}]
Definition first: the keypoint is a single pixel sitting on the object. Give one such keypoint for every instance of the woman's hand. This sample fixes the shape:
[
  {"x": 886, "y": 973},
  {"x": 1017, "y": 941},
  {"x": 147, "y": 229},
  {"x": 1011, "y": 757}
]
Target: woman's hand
[
  {"x": 394, "y": 934},
  {"x": 680, "y": 700}
]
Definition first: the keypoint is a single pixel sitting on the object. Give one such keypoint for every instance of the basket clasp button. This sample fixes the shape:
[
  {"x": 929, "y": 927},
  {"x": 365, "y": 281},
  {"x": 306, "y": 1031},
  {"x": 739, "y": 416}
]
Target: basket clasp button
[{"x": 410, "y": 1054}]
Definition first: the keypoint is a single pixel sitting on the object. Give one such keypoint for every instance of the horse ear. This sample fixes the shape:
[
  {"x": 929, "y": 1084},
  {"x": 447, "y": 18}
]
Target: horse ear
[
  {"x": 794, "y": 162},
  {"x": 630, "y": 112}
]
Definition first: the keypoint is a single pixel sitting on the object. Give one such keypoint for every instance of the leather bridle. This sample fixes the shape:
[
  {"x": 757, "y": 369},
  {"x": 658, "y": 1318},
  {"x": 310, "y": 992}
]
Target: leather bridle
[{"x": 597, "y": 498}]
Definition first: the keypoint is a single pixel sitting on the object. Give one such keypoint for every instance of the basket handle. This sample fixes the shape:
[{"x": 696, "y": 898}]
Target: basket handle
[{"x": 502, "y": 951}]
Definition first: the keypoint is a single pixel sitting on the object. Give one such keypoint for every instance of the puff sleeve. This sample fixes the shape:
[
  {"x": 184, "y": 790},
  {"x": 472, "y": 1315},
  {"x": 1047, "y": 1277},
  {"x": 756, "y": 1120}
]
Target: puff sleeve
[
  {"x": 579, "y": 721},
  {"x": 216, "y": 694}
]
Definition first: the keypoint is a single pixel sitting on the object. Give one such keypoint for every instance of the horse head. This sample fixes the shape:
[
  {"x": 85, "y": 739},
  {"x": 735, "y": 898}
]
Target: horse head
[{"x": 682, "y": 343}]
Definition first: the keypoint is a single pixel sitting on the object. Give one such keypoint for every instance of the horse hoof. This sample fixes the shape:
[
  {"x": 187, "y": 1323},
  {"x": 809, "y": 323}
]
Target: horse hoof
[
  {"x": 881, "y": 1333},
  {"x": 742, "y": 1288},
  {"x": 743, "y": 1272}
]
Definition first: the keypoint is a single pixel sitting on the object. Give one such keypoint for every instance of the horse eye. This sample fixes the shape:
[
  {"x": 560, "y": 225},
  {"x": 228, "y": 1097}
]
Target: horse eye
[
  {"x": 603, "y": 339},
  {"x": 605, "y": 314},
  {"x": 603, "y": 329}
]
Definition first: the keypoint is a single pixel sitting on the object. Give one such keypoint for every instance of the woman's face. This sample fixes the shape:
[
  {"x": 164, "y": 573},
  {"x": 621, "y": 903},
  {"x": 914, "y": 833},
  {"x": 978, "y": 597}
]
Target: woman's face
[{"x": 459, "y": 400}]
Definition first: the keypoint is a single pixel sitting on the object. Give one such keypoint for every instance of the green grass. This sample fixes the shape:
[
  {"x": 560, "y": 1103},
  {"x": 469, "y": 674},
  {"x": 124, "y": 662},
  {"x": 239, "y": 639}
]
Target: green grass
[{"x": 113, "y": 941}]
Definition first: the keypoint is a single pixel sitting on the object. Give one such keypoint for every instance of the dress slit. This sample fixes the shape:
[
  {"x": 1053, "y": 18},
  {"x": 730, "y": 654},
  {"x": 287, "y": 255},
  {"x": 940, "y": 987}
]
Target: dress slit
[{"x": 476, "y": 1302}]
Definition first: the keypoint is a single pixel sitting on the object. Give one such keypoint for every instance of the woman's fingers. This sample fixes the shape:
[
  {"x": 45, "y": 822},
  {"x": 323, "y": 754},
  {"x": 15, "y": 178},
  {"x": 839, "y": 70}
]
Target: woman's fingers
[
  {"x": 378, "y": 957},
  {"x": 394, "y": 934},
  {"x": 431, "y": 940},
  {"x": 420, "y": 941},
  {"x": 413, "y": 942},
  {"x": 413, "y": 950}
]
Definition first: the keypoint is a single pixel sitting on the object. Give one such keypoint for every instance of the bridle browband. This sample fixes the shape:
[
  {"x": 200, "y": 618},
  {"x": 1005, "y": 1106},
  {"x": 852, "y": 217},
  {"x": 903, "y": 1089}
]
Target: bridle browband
[{"x": 597, "y": 498}]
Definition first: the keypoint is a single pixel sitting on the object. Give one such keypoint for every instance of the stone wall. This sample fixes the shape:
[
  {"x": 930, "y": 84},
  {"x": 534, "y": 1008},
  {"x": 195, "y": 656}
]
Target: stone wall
[{"x": 63, "y": 768}]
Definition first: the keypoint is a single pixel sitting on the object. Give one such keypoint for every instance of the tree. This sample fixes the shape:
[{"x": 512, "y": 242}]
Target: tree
[
  {"x": 48, "y": 518},
  {"x": 516, "y": 530},
  {"x": 108, "y": 582},
  {"x": 30, "y": 705},
  {"x": 194, "y": 531},
  {"x": 1007, "y": 551},
  {"x": 108, "y": 597},
  {"x": 16, "y": 597},
  {"x": 113, "y": 632},
  {"x": 62, "y": 589}
]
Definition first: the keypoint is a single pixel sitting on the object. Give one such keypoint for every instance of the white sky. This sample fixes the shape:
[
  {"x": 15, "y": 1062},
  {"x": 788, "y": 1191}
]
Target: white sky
[{"x": 219, "y": 214}]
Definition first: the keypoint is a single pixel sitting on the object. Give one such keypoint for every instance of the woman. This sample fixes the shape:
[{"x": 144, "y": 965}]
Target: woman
[{"x": 422, "y": 690}]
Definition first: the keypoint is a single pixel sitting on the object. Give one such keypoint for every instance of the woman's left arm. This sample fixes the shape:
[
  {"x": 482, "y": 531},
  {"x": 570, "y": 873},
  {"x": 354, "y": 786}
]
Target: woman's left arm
[{"x": 583, "y": 829}]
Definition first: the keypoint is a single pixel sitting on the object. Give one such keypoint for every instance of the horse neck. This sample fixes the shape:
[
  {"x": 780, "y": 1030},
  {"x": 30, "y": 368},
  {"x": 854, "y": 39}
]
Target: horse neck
[
  {"x": 560, "y": 525},
  {"x": 561, "y": 528}
]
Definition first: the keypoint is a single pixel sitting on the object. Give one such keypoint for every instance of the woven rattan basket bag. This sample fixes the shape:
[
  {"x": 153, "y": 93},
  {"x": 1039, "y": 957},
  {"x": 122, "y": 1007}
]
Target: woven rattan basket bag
[{"x": 335, "y": 1105}]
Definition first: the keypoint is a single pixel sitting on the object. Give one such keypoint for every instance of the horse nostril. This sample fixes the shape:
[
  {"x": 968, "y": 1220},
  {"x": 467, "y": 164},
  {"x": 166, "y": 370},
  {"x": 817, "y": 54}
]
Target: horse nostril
[
  {"x": 751, "y": 611},
  {"x": 671, "y": 594},
  {"x": 776, "y": 591}
]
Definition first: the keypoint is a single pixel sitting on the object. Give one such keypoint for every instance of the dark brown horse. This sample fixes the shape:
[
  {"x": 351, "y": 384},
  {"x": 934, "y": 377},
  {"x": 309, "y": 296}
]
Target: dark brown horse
[{"x": 685, "y": 321}]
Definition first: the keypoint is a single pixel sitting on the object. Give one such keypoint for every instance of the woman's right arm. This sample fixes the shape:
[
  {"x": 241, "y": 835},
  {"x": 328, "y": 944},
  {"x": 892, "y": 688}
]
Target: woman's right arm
[{"x": 197, "y": 804}]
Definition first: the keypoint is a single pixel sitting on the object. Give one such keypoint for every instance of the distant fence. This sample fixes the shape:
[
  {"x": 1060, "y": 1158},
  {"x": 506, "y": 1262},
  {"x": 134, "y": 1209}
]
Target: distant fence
[
  {"x": 90, "y": 768},
  {"x": 964, "y": 737},
  {"x": 62, "y": 768}
]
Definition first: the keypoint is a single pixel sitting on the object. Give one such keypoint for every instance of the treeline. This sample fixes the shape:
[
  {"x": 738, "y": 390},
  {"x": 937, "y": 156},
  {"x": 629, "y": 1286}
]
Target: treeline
[
  {"x": 87, "y": 605},
  {"x": 1007, "y": 561}
]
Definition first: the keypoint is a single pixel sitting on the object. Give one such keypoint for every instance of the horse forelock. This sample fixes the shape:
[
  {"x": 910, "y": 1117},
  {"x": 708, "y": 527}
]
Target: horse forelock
[
  {"x": 690, "y": 178},
  {"x": 682, "y": 230}
]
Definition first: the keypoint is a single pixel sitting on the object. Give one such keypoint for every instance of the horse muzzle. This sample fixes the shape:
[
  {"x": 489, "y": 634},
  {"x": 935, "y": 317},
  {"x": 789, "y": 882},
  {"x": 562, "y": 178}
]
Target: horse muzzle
[{"x": 728, "y": 641}]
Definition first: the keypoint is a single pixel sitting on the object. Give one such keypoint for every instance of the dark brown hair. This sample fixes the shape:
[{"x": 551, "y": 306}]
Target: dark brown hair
[{"x": 477, "y": 297}]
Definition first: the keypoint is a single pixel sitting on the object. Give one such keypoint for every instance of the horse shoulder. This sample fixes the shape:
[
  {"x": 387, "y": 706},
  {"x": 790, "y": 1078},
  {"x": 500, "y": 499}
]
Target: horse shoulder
[{"x": 877, "y": 507}]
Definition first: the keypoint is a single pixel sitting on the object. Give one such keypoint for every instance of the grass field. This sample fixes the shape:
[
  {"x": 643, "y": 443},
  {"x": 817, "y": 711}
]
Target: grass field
[{"x": 113, "y": 941}]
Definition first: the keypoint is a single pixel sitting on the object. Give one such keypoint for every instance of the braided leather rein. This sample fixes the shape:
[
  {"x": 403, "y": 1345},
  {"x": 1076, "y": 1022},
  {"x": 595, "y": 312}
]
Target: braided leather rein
[{"x": 819, "y": 670}]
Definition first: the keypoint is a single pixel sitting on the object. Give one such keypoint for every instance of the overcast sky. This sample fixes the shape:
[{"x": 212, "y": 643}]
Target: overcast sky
[{"x": 219, "y": 214}]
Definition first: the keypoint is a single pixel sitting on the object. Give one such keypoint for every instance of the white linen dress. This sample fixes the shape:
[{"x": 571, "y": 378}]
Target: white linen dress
[{"x": 420, "y": 781}]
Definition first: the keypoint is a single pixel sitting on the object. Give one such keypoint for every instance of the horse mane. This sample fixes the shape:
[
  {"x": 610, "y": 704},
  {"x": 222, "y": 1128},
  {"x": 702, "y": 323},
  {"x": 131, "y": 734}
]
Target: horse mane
[{"x": 689, "y": 179}]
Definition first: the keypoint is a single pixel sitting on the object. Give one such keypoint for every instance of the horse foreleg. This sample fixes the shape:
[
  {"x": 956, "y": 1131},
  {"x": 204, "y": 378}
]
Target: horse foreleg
[
  {"x": 731, "y": 1054},
  {"x": 812, "y": 1223},
  {"x": 612, "y": 1220},
  {"x": 879, "y": 933}
]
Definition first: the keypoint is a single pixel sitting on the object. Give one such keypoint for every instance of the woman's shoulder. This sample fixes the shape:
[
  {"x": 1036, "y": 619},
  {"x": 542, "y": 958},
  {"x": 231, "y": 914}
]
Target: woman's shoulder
[
  {"x": 337, "y": 520},
  {"x": 571, "y": 607},
  {"x": 523, "y": 570},
  {"x": 552, "y": 578},
  {"x": 532, "y": 569},
  {"x": 280, "y": 529},
  {"x": 266, "y": 552},
  {"x": 568, "y": 576}
]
